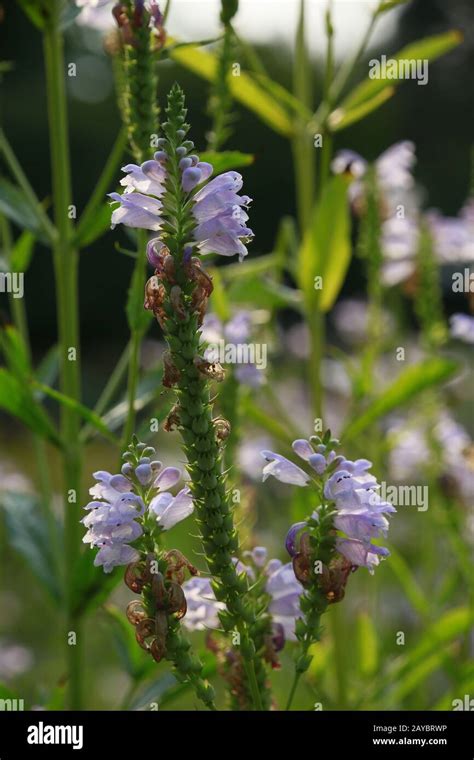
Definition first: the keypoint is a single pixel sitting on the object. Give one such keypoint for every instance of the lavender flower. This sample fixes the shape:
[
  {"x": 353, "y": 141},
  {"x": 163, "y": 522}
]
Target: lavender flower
[
  {"x": 202, "y": 605},
  {"x": 462, "y": 327},
  {"x": 218, "y": 209},
  {"x": 123, "y": 503},
  {"x": 393, "y": 168},
  {"x": 280, "y": 584},
  {"x": 236, "y": 332},
  {"x": 285, "y": 591},
  {"x": 360, "y": 512}
]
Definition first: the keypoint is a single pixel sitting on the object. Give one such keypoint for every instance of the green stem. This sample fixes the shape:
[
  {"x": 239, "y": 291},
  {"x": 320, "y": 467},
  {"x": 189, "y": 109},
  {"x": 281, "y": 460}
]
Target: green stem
[
  {"x": 66, "y": 276},
  {"x": 109, "y": 390},
  {"x": 23, "y": 182},
  {"x": 316, "y": 330},
  {"x": 135, "y": 339},
  {"x": 103, "y": 183},
  {"x": 20, "y": 320},
  {"x": 296, "y": 679}
]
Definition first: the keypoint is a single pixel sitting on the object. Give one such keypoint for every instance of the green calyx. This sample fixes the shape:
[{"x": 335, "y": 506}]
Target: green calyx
[{"x": 141, "y": 83}]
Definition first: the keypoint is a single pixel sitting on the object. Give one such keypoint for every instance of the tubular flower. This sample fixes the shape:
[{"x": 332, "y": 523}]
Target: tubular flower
[
  {"x": 360, "y": 513},
  {"x": 218, "y": 210},
  {"x": 125, "y": 503}
]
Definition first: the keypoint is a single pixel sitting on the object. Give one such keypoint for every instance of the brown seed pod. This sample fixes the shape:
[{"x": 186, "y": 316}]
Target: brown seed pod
[
  {"x": 144, "y": 630},
  {"x": 157, "y": 649},
  {"x": 177, "y": 600},
  {"x": 302, "y": 568},
  {"x": 213, "y": 370},
  {"x": 177, "y": 564},
  {"x": 172, "y": 421},
  {"x": 137, "y": 575},
  {"x": 222, "y": 428},
  {"x": 334, "y": 578},
  {"x": 135, "y": 612},
  {"x": 171, "y": 373},
  {"x": 159, "y": 591},
  {"x": 177, "y": 302}
]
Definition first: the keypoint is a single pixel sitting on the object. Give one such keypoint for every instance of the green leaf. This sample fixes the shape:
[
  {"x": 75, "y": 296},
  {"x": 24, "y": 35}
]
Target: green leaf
[
  {"x": 15, "y": 352},
  {"x": 17, "y": 399},
  {"x": 134, "y": 660},
  {"x": 227, "y": 159},
  {"x": 87, "y": 414},
  {"x": 138, "y": 317},
  {"x": 243, "y": 88},
  {"x": 96, "y": 224},
  {"x": 342, "y": 118},
  {"x": 411, "y": 382},
  {"x": 35, "y": 12},
  {"x": 409, "y": 584},
  {"x": 264, "y": 292},
  {"x": 326, "y": 247},
  {"x": 15, "y": 205},
  {"x": 22, "y": 252},
  {"x": 295, "y": 106},
  {"x": 367, "y": 646},
  {"x": 410, "y": 670},
  {"x": 257, "y": 415},
  {"x": 48, "y": 369},
  {"x": 429, "y": 48},
  {"x": 91, "y": 585},
  {"x": 28, "y": 534}
]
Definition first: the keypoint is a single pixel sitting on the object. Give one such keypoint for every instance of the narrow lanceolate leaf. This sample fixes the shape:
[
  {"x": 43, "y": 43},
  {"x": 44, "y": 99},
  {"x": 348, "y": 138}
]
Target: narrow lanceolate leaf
[
  {"x": 96, "y": 225},
  {"x": 326, "y": 248},
  {"x": 225, "y": 160},
  {"x": 344, "y": 117},
  {"x": 28, "y": 534},
  {"x": 17, "y": 399},
  {"x": 15, "y": 205},
  {"x": 15, "y": 352},
  {"x": 428, "y": 49},
  {"x": 409, "y": 384},
  {"x": 22, "y": 252},
  {"x": 428, "y": 654},
  {"x": 243, "y": 88},
  {"x": 87, "y": 414}
]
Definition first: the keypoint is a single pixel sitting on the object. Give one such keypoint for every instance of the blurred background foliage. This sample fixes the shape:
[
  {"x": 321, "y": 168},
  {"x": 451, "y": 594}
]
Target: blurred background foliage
[{"x": 370, "y": 670}]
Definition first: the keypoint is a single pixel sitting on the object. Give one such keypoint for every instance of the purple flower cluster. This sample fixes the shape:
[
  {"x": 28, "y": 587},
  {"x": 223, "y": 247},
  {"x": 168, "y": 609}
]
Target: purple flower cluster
[
  {"x": 218, "y": 209},
  {"x": 280, "y": 583},
  {"x": 360, "y": 512},
  {"x": 122, "y": 501}
]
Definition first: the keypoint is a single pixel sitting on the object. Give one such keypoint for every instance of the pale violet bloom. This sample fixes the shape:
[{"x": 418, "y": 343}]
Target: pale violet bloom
[
  {"x": 285, "y": 591},
  {"x": 170, "y": 510},
  {"x": 361, "y": 554},
  {"x": 360, "y": 512},
  {"x": 462, "y": 327},
  {"x": 114, "y": 519},
  {"x": 219, "y": 210},
  {"x": 283, "y": 470},
  {"x": 400, "y": 241},
  {"x": 236, "y": 332},
  {"x": 202, "y": 606},
  {"x": 411, "y": 452},
  {"x": 453, "y": 237},
  {"x": 351, "y": 319},
  {"x": 393, "y": 170}
]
